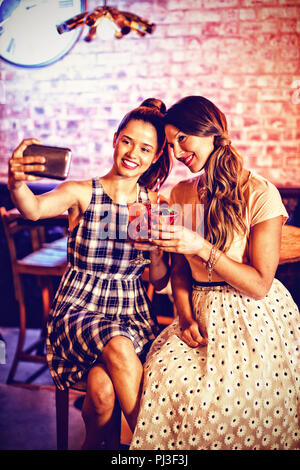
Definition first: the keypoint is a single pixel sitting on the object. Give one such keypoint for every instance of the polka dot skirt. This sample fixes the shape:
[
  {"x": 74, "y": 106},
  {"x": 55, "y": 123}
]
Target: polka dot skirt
[{"x": 239, "y": 392}]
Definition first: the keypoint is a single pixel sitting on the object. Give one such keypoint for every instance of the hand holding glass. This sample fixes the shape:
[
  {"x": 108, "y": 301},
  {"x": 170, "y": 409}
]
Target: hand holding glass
[{"x": 148, "y": 222}]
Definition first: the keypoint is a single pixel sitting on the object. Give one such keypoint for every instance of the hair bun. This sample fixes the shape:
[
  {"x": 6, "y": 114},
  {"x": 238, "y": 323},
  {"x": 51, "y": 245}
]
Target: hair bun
[{"x": 154, "y": 103}]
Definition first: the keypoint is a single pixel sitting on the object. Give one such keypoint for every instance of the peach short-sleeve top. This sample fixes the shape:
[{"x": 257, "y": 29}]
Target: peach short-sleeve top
[{"x": 263, "y": 202}]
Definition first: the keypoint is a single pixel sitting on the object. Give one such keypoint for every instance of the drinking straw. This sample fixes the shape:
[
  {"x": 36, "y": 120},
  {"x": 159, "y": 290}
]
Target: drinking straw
[{"x": 158, "y": 191}]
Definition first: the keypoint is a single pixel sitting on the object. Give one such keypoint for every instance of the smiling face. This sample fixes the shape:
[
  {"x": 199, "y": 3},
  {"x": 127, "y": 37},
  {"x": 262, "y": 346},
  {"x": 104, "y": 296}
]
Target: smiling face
[
  {"x": 135, "y": 148},
  {"x": 191, "y": 150}
]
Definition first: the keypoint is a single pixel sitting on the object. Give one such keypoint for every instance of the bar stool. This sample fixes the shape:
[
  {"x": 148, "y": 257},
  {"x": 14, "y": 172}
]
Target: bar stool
[
  {"x": 62, "y": 419},
  {"x": 44, "y": 261}
]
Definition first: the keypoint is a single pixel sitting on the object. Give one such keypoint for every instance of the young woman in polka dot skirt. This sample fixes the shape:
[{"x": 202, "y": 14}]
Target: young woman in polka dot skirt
[{"x": 225, "y": 374}]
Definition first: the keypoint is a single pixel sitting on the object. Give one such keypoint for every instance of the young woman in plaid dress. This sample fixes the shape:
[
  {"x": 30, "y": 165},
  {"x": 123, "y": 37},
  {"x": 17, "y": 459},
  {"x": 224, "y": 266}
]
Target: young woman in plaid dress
[{"x": 100, "y": 327}]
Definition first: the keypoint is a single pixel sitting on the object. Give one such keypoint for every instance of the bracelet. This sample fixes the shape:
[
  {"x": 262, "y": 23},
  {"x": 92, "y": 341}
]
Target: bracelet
[{"x": 211, "y": 262}]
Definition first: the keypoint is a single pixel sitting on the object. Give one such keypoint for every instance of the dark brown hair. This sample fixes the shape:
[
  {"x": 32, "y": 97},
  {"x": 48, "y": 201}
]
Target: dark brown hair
[
  {"x": 152, "y": 111},
  {"x": 223, "y": 195}
]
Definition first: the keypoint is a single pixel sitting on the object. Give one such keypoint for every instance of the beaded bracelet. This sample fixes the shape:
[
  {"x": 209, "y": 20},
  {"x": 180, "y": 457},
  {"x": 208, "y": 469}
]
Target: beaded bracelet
[{"x": 213, "y": 258}]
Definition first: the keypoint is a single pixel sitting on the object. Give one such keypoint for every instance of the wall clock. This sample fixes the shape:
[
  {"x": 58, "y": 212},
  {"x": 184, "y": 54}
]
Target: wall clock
[{"x": 28, "y": 34}]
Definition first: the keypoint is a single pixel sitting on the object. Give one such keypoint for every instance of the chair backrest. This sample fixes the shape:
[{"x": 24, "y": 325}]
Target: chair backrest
[{"x": 12, "y": 225}]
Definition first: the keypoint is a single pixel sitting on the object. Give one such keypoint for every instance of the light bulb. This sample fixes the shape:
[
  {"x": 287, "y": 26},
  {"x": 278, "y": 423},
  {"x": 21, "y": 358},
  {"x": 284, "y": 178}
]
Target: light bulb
[{"x": 105, "y": 28}]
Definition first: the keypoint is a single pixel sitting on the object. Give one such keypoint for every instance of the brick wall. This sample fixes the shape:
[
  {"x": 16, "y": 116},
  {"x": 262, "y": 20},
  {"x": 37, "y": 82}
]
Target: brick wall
[{"x": 242, "y": 54}]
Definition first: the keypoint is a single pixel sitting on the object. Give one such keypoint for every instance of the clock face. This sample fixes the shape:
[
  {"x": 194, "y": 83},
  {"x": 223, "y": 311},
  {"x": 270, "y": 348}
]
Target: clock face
[{"x": 28, "y": 34}]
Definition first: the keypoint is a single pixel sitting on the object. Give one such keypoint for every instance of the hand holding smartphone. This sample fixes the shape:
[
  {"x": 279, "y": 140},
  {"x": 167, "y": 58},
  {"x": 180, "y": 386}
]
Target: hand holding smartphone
[{"x": 57, "y": 160}]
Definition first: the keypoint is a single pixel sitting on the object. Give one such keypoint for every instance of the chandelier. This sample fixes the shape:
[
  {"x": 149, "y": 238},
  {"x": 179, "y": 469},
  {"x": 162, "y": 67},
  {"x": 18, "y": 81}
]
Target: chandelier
[{"x": 110, "y": 21}]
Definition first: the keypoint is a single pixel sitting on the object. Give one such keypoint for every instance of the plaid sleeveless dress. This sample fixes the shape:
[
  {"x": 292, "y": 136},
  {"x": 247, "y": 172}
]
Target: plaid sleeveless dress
[{"x": 100, "y": 295}]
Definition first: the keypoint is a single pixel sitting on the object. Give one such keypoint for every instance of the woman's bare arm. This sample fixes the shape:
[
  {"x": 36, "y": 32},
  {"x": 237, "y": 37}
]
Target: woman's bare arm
[
  {"x": 31, "y": 206},
  {"x": 256, "y": 278},
  {"x": 181, "y": 280},
  {"x": 253, "y": 279}
]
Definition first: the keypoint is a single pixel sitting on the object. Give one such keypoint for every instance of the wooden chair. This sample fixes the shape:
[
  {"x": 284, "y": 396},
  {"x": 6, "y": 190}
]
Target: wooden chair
[{"x": 44, "y": 261}]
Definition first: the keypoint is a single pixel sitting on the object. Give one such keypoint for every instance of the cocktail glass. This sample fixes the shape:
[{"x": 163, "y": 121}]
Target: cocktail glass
[
  {"x": 145, "y": 220},
  {"x": 162, "y": 218},
  {"x": 138, "y": 228}
]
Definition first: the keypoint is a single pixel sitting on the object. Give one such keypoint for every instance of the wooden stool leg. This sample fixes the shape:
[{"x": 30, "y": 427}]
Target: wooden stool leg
[
  {"x": 20, "y": 344},
  {"x": 62, "y": 418},
  {"x": 47, "y": 295}
]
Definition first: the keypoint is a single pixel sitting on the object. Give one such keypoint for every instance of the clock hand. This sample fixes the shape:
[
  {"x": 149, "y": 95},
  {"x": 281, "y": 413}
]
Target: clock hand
[{"x": 31, "y": 6}]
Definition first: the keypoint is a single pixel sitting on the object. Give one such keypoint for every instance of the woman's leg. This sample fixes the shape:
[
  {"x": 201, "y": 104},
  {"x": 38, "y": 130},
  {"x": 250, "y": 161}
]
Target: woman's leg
[
  {"x": 98, "y": 409},
  {"x": 126, "y": 372}
]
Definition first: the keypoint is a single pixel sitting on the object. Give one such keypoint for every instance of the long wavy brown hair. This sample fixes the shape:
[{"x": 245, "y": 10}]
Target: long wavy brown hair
[{"x": 222, "y": 192}]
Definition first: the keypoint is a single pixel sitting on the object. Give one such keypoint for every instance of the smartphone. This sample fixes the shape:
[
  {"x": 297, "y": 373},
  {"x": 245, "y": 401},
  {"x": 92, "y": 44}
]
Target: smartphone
[{"x": 57, "y": 164}]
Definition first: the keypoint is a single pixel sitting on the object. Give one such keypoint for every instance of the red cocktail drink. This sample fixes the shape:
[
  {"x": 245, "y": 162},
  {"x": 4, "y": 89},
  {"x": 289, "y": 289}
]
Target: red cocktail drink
[
  {"x": 138, "y": 228},
  {"x": 161, "y": 219},
  {"x": 139, "y": 221}
]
